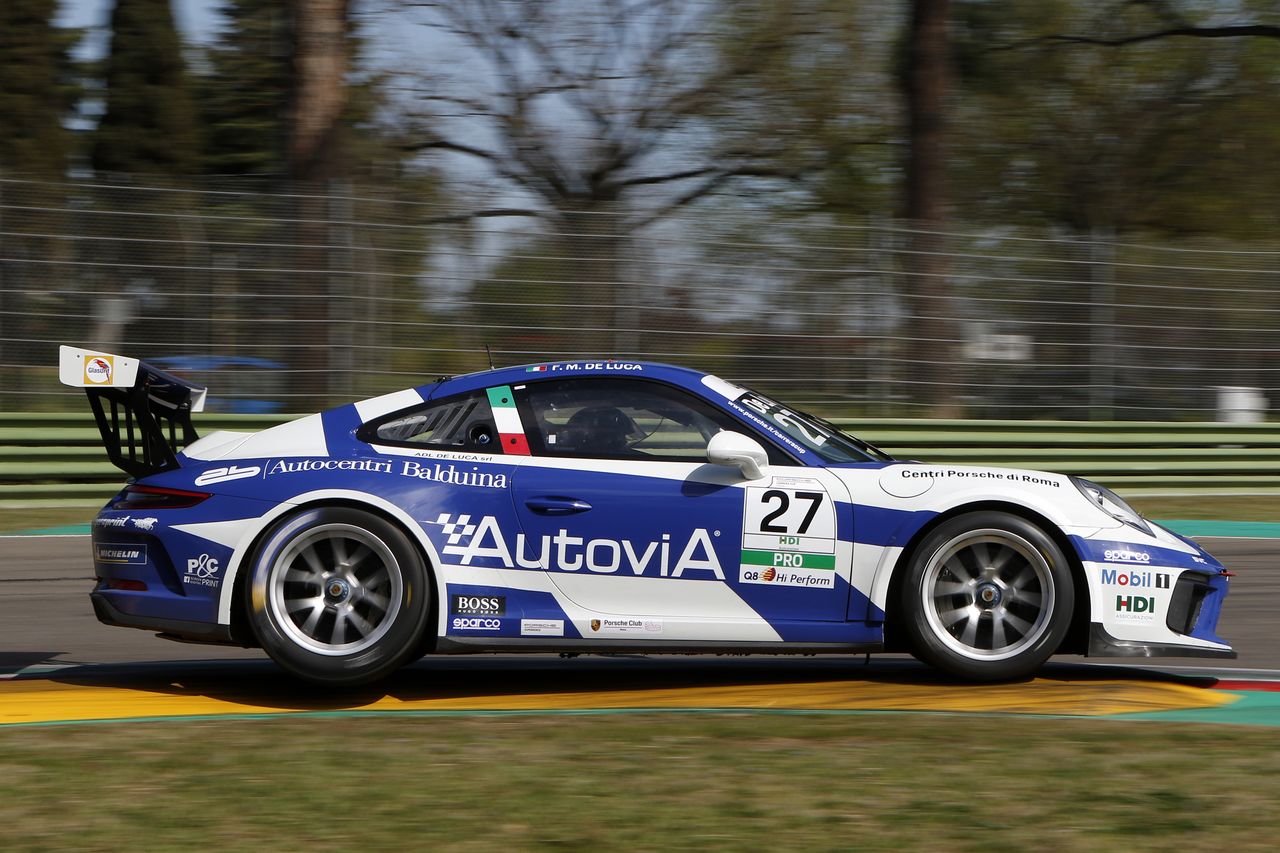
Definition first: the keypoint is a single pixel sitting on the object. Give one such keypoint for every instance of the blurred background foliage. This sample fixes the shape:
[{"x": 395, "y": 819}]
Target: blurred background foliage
[{"x": 822, "y": 194}]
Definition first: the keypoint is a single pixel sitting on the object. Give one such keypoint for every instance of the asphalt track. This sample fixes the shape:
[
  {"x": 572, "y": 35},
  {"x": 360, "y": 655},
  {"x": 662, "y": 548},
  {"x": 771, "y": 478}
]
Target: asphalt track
[{"x": 58, "y": 664}]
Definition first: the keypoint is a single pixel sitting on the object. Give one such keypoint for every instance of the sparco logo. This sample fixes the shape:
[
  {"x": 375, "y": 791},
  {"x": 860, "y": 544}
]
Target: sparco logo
[
  {"x": 461, "y": 623},
  {"x": 201, "y": 571},
  {"x": 1124, "y": 555},
  {"x": 483, "y": 540},
  {"x": 479, "y": 605}
]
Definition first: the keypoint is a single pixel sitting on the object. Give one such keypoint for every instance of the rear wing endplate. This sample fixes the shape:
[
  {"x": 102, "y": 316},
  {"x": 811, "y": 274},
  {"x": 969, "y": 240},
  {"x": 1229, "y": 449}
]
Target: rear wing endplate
[{"x": 143, "y": 413}]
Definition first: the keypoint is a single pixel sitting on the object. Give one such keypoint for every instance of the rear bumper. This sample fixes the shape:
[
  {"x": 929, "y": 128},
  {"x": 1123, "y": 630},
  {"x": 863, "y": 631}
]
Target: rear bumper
[{"x": 195, "y": 632}]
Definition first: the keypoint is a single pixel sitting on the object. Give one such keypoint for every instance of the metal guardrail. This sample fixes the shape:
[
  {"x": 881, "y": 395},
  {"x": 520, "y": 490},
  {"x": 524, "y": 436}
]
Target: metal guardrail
[{"x": 58, "y": 459}]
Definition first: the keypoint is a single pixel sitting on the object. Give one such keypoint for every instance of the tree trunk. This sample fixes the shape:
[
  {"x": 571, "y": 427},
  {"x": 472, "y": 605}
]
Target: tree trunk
[
  {"x": 321, "y": 61},
  {"x": 932, "y": 348}
]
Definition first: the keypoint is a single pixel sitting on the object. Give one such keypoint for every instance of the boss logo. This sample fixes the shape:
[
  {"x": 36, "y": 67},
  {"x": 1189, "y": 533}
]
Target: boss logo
[
  {"x": 479, "y": 605},
  {"x": 472, "y": 624}
]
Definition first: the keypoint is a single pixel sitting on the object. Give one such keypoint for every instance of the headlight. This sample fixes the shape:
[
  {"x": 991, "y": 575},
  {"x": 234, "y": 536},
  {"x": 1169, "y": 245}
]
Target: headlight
[{"x": 1112, "y": 504}]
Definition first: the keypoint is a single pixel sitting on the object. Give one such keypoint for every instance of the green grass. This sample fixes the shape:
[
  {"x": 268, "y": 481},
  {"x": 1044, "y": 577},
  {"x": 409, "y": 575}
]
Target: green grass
[
  {"x": 20, "y": 520},
  {"x": 1212, "y": 507},
  {"x": 641, "y": 782}
]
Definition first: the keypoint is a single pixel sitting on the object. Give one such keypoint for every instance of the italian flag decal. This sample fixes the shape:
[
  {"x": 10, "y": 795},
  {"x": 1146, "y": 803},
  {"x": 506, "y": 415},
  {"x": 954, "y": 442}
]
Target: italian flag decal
[{"x": 510, "y": 431}]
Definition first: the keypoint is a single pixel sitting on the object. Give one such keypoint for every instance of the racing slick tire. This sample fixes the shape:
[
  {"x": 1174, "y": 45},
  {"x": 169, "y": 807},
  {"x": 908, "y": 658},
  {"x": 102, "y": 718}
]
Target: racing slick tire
[
  {"x": 988, "y": 597},
  {"x": 338, "y": 595}
]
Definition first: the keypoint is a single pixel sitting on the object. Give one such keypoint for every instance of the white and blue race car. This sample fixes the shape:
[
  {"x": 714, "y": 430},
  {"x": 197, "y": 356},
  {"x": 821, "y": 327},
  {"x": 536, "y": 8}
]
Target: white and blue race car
[{"x": 609, "y": 506}]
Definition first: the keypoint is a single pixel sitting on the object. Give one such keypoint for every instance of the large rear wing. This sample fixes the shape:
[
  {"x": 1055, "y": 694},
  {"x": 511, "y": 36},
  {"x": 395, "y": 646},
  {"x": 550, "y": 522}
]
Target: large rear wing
[{"x": 143, "y": 413}]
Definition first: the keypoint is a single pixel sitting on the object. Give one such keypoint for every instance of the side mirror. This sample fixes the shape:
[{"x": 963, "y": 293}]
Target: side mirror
[{"x": 741, "y": 451}]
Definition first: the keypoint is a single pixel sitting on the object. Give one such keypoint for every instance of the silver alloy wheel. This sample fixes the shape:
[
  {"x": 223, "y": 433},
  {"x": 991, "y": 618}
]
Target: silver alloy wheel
[
  {"x": 335, "y": 590},
  {"x": 988, "y": 594}
]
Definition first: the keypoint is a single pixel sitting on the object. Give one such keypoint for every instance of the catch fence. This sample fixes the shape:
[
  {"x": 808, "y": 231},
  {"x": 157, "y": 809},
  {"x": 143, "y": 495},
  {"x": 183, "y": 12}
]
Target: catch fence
[{"x": 283, "y": 300}]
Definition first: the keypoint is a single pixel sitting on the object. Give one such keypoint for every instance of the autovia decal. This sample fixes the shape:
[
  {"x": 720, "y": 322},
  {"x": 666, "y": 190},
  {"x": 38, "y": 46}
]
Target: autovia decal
[{"x": 482, "y": 542}]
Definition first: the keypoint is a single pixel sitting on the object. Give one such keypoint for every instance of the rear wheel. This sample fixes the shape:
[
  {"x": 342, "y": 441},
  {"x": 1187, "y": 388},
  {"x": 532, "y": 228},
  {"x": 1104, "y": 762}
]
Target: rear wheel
[
  {"x": 988, "y": 597},
  {"x": 338, "y": 595}
]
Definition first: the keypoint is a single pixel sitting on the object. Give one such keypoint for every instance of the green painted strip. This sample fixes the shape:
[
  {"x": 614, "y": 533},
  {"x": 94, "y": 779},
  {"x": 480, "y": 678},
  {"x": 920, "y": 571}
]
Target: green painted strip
[
  {"x": 1259, "y": 708},
  {"x": 500, "y": 397},
  {"x": 789, "y": 559},
  {"x": 1255, "y": 529},
  {"x": 64, "y": 530}
]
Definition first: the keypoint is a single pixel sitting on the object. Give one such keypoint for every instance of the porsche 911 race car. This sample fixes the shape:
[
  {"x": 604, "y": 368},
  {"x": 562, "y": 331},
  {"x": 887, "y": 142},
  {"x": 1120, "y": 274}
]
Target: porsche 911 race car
[{"x": 608, "y": 506}]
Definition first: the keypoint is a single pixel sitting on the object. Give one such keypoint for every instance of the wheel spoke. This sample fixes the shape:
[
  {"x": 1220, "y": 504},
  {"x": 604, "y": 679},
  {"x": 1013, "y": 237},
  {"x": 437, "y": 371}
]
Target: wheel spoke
[
  {"x": 997, "y": 631},
  {"x": 1031, "y": 599},
  {"x": 951, "y": 617},
  {"x": 313, "y": 560},
  {"x": 1002, "y": 560},
  {"x": 957, "y": 566},
  {"x": 300, "y": 575},
  {"x": 360, "y": 623},
  {"x": 1022, "y": 626},
  {"x": 309, "y": 627},
  {"x": 357, "y": 557},
  {"x": 1023, "y": 577},
  {"x": 339, "y": 546},
  {"x": 339, "y": 634},
  {"x": 304, "y": 603},
  {"x": 376, "y": 599},
  {"x": 970, "y": 633},
  {"x": 950, "y": 588}
]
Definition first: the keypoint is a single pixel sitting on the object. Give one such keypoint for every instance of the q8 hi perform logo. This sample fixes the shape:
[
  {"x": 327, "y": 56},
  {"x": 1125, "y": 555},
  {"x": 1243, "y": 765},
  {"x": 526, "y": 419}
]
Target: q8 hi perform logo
[{"x": 483, "y": 540}]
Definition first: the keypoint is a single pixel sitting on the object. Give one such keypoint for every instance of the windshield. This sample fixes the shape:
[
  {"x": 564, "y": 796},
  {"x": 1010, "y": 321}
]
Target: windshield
[{"x": 811, "y": 433}]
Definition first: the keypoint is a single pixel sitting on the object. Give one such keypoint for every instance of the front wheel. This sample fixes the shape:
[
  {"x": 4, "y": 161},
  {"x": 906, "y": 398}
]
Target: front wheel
[
  {"x": 987, "y": 597},
  {"x": 338, "y": 595}
]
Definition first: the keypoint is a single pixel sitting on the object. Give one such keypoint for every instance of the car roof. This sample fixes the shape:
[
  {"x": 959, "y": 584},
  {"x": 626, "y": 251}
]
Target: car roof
[{"x": 601, "y": 367}]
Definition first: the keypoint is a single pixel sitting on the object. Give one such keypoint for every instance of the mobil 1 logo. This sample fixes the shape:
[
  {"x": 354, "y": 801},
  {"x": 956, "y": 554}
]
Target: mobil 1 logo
[
  {"x": 789, "y": 535},
  {"x": 478, "y": 605}
]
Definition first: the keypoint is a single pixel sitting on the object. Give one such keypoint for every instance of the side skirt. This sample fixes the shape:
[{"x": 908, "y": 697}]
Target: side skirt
[{"x": 477, "y": 645}]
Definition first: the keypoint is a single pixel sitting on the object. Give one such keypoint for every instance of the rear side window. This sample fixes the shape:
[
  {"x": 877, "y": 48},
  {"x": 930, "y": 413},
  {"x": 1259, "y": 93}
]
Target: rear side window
[{"x": 458, "y": 423}]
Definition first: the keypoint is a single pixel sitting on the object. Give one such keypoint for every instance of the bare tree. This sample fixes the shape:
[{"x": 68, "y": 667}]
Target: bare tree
[
  {"x": 931, "y": 343},
  {"x": 321, "y": 62},
  {"x": 596, "y": 118}
]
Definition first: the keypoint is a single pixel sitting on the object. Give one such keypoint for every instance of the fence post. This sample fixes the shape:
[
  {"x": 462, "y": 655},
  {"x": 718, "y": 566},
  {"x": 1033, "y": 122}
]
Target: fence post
[{"x": 1102, "y": 334}]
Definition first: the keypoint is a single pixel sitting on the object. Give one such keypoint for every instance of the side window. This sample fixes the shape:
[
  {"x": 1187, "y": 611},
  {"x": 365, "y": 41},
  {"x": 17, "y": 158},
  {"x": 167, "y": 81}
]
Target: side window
[
  {"x": 621, "y": 419},
  {"x": 457, "y": 423}
]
